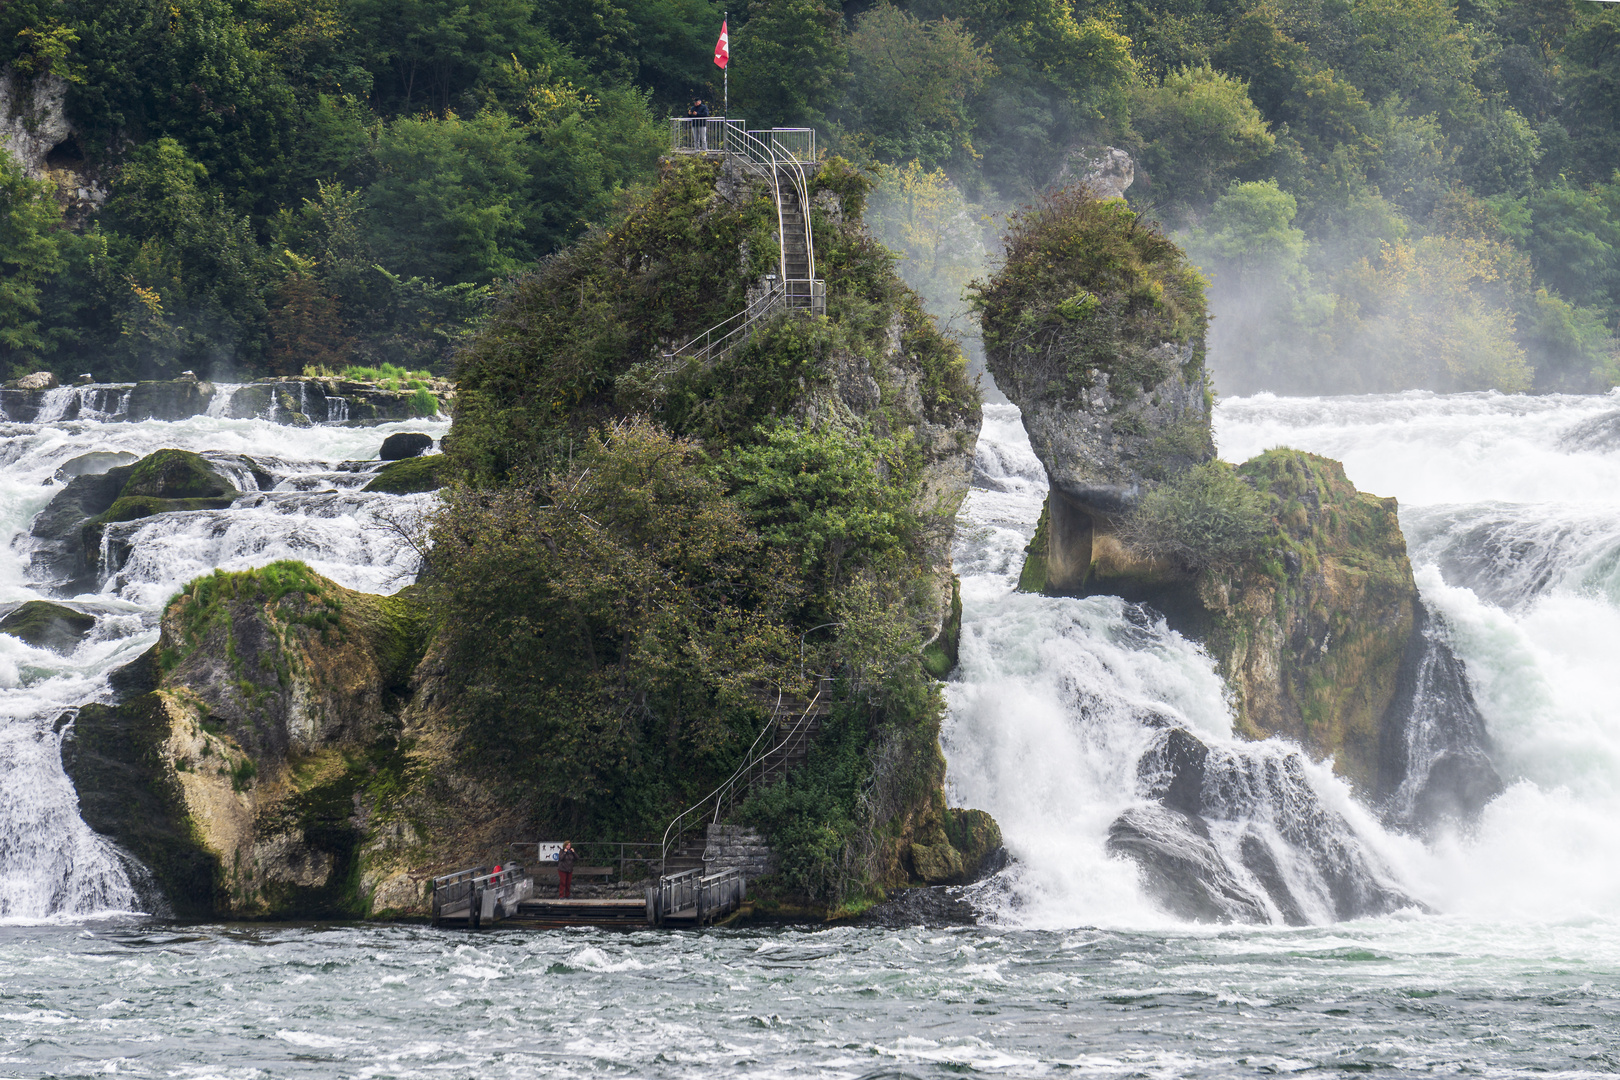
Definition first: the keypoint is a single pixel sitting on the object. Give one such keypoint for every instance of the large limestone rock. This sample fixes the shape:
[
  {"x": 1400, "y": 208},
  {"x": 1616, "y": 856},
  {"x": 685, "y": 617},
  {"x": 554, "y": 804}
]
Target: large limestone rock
[
  {"x": 36, "y": 132},
  {"x": 268, "y": 755},
  {"x": 1095, "y": 328}
]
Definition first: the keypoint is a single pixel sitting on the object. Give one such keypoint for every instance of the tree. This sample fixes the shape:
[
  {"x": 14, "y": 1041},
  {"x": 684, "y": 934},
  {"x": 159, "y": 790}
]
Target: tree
[
  {"x": 449, "y": 198},
  {"x": 1201, "y": 128},
  {"x": 924, "y": 218},
  {"x": 608, "y": 623},
  {"x": 911, "y": 81},
  {"x": 29, "y": 217},
  {"x": 792, "y": 63}
]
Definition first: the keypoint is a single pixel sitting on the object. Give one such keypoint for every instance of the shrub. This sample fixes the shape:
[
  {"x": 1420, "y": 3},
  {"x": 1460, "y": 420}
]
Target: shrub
[{"x": 1204, "y": 518}]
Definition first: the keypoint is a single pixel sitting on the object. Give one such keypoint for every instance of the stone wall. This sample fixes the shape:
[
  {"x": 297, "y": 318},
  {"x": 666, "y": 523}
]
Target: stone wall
[{"x": 737, "y": 846}]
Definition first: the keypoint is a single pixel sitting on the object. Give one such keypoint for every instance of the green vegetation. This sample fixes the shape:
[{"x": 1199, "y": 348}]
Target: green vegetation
[
  {"x": 637, "y": 556},
  {"x": 1087, "y": 296},
  {"x": 330, "y": 182},
  {"x": 47, "y": 626},
  {"x": 1204, "y": 517},
  {"x": 411, "y": 475}
]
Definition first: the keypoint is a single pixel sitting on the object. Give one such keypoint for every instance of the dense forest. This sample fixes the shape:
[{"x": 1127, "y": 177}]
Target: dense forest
[{"x": 1384, "y": 193}]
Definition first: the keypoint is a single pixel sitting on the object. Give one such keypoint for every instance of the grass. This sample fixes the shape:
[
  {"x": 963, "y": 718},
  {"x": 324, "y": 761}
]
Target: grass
[{"x": 390, "y": 376}]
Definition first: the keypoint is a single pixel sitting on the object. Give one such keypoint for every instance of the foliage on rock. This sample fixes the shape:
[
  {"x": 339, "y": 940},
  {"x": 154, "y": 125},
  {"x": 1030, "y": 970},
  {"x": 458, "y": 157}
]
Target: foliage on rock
[
  {"x": 1205, "y": 517},
  {"x": 1089, "y": 295}
]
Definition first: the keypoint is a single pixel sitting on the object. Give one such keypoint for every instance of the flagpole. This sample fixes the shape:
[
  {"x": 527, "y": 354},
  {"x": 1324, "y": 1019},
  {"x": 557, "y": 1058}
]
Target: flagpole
[{"x": 725, "y": 72}]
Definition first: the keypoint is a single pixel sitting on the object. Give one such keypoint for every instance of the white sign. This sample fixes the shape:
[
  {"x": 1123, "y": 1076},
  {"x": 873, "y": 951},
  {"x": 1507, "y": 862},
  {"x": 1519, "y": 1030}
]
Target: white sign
[{"x": 549, "y": 851}]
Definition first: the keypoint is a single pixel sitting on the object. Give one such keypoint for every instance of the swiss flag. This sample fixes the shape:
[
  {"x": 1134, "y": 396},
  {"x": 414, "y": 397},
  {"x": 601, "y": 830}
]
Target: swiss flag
[{"x": 722, "y": 48}]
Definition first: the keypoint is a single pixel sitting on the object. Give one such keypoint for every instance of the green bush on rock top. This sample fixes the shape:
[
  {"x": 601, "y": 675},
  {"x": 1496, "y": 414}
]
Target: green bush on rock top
[{"x": 1088, "y": 294}]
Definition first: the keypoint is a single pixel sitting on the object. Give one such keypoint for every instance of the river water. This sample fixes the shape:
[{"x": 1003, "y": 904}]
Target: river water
[{"x": 1507, "y": 962}]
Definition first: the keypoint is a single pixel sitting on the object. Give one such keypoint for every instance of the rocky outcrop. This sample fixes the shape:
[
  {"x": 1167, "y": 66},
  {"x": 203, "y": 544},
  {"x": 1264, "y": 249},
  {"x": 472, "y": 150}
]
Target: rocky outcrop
[
  {"x": 1105, "y": 171},
  {"x": 68, "y": 534},
  {"x": 411, "y": 475},
  {"x": 1240, "y": 835},
  {"x": 36, "y": 132},
  {"x": 1095, "y": 328},
  {"x": 405, "y": 444},
  {"x": 270, "y": 752}
]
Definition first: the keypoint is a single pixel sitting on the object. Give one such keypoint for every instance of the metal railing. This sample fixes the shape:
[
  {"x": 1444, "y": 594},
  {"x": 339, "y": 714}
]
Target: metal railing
[
  {"x": 611, "y": 853},
  {"x": 674, "y": 892},
  {"x": 482, "y": 891},
  {"x": 724, "y": 796},
  {"x": 720, "y": 135},
  {"x": 692, "y": 894},
  {"x": 703, "y": 135}
]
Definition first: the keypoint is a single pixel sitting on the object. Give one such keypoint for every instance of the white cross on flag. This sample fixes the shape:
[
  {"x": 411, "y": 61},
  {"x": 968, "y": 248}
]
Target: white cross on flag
[{"x": 722, "y": 48}]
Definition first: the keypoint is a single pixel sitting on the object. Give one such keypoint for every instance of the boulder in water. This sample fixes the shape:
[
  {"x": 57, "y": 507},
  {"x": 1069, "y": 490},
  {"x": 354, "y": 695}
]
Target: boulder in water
[
  {"x": 1173, "y": 770},
  {"x": 409, "y": 476},
  {"x": 1181, "y": 867},
  {"x": 94, "y": 463},
  {"x": 45, "y": 625},
  {"x": 405, "y": 444},
  {"x": 68, "y": 531},
  {"x": 39, "y": 380}
]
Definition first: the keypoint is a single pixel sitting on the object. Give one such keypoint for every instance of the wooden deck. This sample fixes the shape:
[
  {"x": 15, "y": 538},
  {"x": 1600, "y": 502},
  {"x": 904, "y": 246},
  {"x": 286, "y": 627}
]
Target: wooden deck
[{"x": 541, "y": 914}]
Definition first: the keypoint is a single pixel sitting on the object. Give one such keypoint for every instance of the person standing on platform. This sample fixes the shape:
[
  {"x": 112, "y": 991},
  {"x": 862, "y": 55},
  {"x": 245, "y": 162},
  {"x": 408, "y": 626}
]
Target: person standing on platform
[
  {"x": 699, "y": 115},
  {"x": 566, "y": 858}
]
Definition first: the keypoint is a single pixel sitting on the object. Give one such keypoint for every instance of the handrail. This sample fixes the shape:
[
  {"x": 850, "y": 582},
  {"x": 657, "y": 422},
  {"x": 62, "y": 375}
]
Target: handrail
[{"x": 721, "y": 794}]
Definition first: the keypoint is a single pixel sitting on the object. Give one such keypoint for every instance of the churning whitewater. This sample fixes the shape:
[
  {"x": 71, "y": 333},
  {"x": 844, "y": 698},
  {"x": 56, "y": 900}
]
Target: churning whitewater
[
  {"x": 301, "y": 501},
  {"x": 1510, "y": 508}
]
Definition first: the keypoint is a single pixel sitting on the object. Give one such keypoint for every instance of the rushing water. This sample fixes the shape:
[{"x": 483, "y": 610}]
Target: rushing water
[
  {"x": 1510, "y": 966},
  {"x": 303, "y": 505}
]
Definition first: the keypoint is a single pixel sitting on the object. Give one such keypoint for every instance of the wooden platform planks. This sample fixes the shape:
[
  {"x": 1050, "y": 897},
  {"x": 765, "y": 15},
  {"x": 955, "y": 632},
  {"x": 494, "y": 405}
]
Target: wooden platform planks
[{"x": 554, "y": 912}]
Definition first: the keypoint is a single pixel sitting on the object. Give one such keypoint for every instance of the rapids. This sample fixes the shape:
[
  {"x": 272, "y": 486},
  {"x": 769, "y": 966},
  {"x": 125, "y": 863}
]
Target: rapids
[
  {"x": 51, "y": 865},
  {"x": 1511, "y": 507}
]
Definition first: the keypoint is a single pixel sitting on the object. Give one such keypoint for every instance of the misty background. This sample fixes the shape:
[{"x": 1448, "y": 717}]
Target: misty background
[{"x": 1384, "y": 194}]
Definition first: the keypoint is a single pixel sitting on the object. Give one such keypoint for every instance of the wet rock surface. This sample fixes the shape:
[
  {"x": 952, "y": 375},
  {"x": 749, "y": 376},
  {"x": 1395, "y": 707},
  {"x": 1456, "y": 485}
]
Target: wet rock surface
[
  {"x": 405, "y": 444},
  {"x": 48, "y": 626}
]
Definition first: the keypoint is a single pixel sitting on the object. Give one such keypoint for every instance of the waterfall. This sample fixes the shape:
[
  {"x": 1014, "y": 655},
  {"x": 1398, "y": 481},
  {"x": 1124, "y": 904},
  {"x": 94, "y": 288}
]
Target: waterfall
[
  {"x": 220, "y": 404},
  {"x": 51, "y": 865},
  {"x": 54, "y": 406},
  {"x": 1089, "y": 729},
  {"x": 337, "y": 409}
]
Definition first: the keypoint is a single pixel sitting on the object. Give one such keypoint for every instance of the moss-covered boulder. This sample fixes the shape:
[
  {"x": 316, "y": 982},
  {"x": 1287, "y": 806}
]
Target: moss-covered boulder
[
  {"x": 271, "y": 751},
  {"x": 1311, "y": 630},
  {"x": 48, "y": 626},
  {"x": 410, "y": 475},
  {"x": 68, "y": 532}
]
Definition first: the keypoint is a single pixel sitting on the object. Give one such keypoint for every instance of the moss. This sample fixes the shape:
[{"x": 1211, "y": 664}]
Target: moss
[
  {"x": 175, "y": 474},
  {"x": 1032, "y": 578},
  {"x": 411, "y": 475},
  {"x": 48, "y": 626},
  {"x": 1089, "y": 293},
  {"x": 940, "y": 655}
]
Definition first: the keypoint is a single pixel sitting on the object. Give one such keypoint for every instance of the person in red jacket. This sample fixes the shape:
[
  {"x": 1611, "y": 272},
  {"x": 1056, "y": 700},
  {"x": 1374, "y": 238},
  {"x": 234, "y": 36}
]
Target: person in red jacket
[{"x": 566, "y": 858}]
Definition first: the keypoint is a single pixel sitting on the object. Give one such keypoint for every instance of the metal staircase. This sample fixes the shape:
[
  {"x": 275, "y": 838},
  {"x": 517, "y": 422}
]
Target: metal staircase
[{"x": 779, "y": 155}]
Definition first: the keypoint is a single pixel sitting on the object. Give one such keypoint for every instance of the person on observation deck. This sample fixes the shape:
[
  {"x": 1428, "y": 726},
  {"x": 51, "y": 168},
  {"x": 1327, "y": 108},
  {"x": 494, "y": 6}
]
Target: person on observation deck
[
  {"x": 698, "y": 113},
  {"x": 566, "y": 858}
]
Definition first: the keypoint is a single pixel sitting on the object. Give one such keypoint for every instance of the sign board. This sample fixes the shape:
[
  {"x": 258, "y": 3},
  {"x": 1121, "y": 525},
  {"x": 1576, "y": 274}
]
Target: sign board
[{"x": 548, "y": 850}]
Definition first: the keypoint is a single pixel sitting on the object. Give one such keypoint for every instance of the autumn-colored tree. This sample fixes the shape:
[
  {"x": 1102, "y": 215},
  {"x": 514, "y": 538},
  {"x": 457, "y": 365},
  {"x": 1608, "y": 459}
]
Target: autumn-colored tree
[{"x": 306, "y": 327}]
